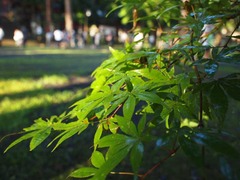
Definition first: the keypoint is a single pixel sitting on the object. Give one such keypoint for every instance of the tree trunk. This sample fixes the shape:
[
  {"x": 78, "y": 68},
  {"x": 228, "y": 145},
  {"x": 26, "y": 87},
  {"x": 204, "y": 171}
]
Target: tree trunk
[
  {"x": 48, "y": 16},
  {"x": 68, "y": 21}
]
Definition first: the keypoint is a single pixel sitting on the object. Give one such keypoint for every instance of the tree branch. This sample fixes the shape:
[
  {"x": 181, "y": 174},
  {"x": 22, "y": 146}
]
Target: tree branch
[{"x": 160, "y": 162}]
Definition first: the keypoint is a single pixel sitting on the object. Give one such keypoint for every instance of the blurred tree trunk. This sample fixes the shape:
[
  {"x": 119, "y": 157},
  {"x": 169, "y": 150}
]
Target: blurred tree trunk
[
  {"x": 48, "y": 16},
  {"x": 68, "y": 21}
]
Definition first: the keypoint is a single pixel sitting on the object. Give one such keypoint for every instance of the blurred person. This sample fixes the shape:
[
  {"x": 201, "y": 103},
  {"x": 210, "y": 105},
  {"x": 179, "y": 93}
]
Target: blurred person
[
  {"x": 58, "y": 36},
  {"x": 92, "y": 32},
  {"x": 25, "y": 35},
  {"x": 66, "y": 39},
  {"x": 138, "y": 40},
  {"x": 18, "y": 37},
  {"x": 73, "y": 39},
  {"x": 80, "y": 38},
  {"x": 1, "y": 35},
  {"x": 48, "y": 37},
  {"x": 152, "y": 39},
  {"x": 39, "y": 33},
  {"x": 123, "y": 36},
  {"x": 207, "y": 39},
  {"x": 110, "y": 38},
  {"x": 97, "y": 39}
]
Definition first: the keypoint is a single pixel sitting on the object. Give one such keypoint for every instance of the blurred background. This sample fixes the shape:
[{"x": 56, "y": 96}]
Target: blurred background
[{"x": 71, "y": 23}]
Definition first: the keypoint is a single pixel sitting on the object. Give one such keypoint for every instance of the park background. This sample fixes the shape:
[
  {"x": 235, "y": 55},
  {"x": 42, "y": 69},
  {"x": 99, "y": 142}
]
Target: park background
[{"x": 41, "y": 80}]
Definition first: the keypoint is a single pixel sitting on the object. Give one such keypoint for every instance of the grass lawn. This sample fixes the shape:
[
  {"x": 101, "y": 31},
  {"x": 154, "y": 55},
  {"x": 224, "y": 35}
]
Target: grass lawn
[{"x": 40, "y": 82}]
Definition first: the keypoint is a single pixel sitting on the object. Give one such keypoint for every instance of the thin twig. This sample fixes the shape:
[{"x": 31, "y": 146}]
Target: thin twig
[
  {"x": 230, "y": 37},
  {"x": 113, "y": 114},
  {"x": 126, "y": 173},
  {"x": 12, "y": 134},
  {"x": 160, "y": 162},
  {"x": 199, "y": 81}
]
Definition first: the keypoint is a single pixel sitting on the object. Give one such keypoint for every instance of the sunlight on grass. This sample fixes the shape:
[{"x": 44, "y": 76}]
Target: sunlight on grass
[
  {"x": 8, "y": 105},
  {"x": 41, "y": 94},
  {"x": 12, "y": 86},
  {"x": 63, "y": 51}
]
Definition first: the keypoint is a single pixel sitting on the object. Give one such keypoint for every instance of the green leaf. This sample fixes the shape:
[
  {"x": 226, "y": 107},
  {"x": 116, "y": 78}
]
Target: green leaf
[
  {"x": 129, "y": 84},
  {"x": 89, "y": 107},
  {"x": 116, "y": 53},
  {"x": 218, "y": 102},
  {"x": 229, "y": 55},
  {"x": 110, "y": 164},
  {"x": 118, "y": 100},
  {"x": 97, "y": 159},
  {"x": 142, "y": 124},
  {"x": 231, "y": 84},
  {"x": 119, "y": 146},
  {"x": 39, "y": 137},
  {"x": 83, "y": 172},
  {"x": 127, "y": 126},
  {"x": 117, "y": 85},
  {"x": 22, "y": 138},
  {"x": 138, "y": 55},
  {"x": 149, "y": 97},
  {"x": 212, "y": 18},
  {"x": 191, "y": 149},
  {"x": 183, "y": 80},
  {"x": 112, "y": 140},
  {"x": 97, "y": 135},
  {"x": 113, "y": 127},
  {"x": 166, "y": 139},
  {"x": 214, "y": 142},
  {"x": 136, "y": 156},
  {"x": 151, "y": 74},
  {"x": 129, "y": 107},
  {"x": 226, "y": 169},
  {"x": 69, "y": 133},
  {"x": 166, "y": 10},
  {"x": 211, "y": 68},
  {"x": 39, "y": 124},
  {"x": 215, "y": 52}
]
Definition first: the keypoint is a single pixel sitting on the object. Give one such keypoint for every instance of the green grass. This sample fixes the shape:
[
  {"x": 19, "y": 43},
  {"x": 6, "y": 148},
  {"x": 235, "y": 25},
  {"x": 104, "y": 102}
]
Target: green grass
[
  {"x": 41, "y": 82},
  {"x": 35, "y": 63}
]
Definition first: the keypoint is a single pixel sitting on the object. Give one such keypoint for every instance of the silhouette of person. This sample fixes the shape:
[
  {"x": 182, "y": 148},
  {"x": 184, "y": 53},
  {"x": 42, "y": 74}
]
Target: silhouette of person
[
  {"x": 18, "y": 37},
  {"x": 1, "y": 35}
]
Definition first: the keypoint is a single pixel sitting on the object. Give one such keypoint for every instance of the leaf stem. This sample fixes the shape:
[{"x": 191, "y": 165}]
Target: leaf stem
[
  {"x": 160, "y": 162},
  {"x": 116, "y": 110}
]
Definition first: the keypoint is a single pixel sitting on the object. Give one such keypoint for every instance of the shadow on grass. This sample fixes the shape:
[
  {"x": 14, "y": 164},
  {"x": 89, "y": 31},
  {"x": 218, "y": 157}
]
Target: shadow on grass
[
  {"x": 49, "y": 90},
  {"x": 35, "y": 66},
  {"x": 19, "y": 119},
  {"x": 19, "y": 163}
]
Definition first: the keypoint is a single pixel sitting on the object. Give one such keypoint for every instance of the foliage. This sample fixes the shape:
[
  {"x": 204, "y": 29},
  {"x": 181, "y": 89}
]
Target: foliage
[{"x": 172, "y": 97}]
